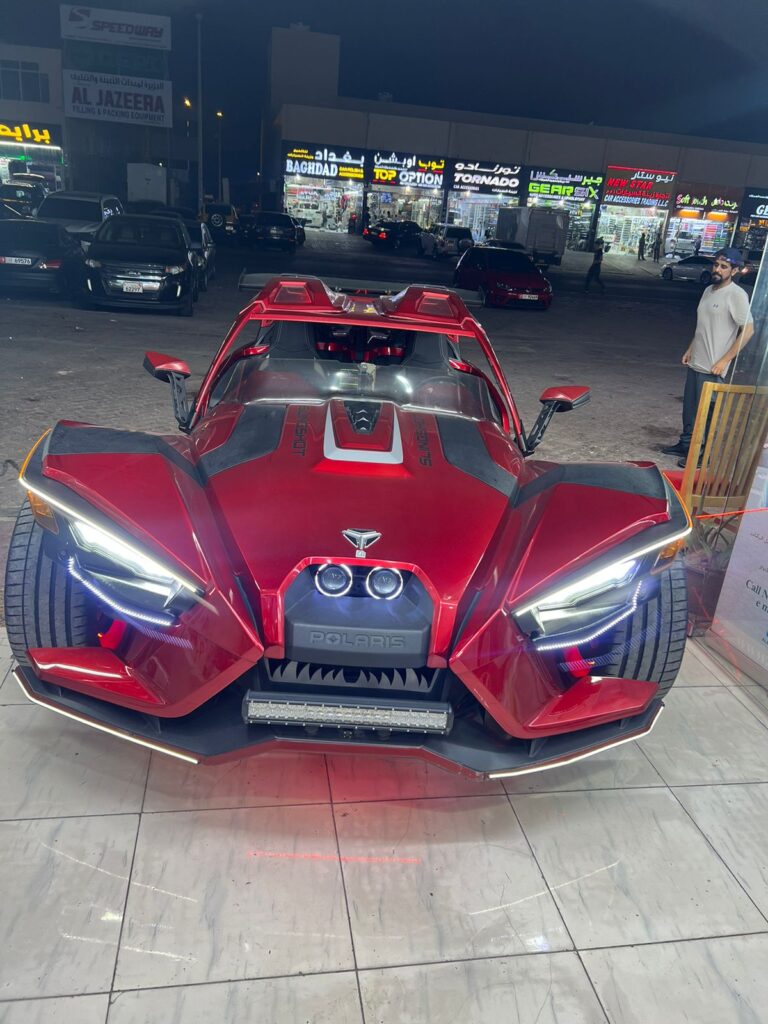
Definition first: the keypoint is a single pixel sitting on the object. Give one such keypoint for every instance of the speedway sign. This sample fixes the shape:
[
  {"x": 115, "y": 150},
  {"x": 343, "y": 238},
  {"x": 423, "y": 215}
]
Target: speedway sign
[
  {"x": 119, "y": 98},
  {"x": 120, "y": 28}
]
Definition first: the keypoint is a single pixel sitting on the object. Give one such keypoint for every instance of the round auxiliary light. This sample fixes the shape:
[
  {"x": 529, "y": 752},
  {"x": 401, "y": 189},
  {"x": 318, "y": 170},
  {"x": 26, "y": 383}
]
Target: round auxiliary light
[
  {"x": 333, "y": 580},
  {"x": 384, "y": 584}
]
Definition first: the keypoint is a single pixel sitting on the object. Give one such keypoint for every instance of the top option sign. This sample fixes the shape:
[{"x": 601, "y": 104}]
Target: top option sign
[
  {"x": 555, "y": 185},
  {"x": 407, "y": 169},
  {"x": 486, "y": 178},
  {"x": 324, "y": 161},
  {"x": 638, "y": 186},
  {"x": 121, "y": 28}
]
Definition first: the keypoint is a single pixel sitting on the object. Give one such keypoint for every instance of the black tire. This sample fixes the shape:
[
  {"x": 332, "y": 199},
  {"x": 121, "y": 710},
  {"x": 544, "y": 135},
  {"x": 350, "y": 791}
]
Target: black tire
[
  {"x": 706, "y": 277},
  {"x": 187, "y": 305},
  {"x": 44, "y": 605},
  {"x": 203, "y": 286},
  {"x": 650, "y": 644},
  {"x": 482, "y": 294},
  {"x": 667, "y": 273}
]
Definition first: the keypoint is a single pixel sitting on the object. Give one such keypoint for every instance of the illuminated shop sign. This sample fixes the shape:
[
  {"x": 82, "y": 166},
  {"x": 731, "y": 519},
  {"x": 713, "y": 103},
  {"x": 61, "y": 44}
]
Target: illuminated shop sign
[
  {"x": 29, "y": 135},
  {"x": 638, "y": 186},
  {"x": 324, "y": 162},
  {"x": 407, "y": 169},
  {"x": 705, "y": 197},
  {"x": 569, "y": 186},
  {"x": 755, "y": 203},
  {"x": 487, "y": 178}
]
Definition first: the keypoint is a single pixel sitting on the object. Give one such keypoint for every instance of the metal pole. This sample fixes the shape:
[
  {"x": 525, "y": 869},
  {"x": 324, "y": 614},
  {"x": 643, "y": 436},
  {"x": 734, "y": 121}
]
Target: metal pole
[
  {"x": 221, "y": 180},
  {"x": 200, "y": 193}
]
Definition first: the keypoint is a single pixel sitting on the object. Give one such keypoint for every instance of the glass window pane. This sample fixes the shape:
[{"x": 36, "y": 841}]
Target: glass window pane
[
  {"x": 9, "y": 85},
  {"x": 44, "y": 92},
  {"x": 30, "y": 86},
  {"x": 9, "y": 64}
]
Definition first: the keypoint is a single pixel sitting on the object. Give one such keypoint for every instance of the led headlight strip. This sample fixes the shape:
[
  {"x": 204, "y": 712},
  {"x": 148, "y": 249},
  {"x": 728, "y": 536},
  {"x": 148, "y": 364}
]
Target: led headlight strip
[
  {"x": 574, "y": 642},
  {"x": 121, "y": 609}
]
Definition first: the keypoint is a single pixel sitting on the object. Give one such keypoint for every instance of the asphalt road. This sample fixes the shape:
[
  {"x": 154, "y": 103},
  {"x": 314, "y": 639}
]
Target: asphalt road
[{"x": 59, "y": 362}]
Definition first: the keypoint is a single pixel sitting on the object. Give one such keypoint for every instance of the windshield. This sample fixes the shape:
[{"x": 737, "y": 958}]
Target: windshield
[
  {"x": 28, "y": 232},
  {"x": 277, "y": 219},
  {"x": 306, "y": 362},
  {"x": 70, "y": 209},
  {"x": 165, "y": 233},
  {"x": 514, "y": 262}
]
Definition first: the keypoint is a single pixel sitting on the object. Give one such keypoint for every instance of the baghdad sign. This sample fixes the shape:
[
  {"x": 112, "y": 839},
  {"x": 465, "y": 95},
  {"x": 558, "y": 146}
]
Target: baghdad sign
[
  {"x": 121, "y": 28},
  {"x": 488, "y": 178},
  {"x": 324, "y": 162},
  {"x": 638, "y": 186},
  {"x": 407, "y": 169},
  {"x": 119, "y": 98}
]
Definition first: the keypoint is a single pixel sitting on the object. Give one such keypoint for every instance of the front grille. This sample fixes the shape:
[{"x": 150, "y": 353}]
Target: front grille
[
  {"x": 135, "y": 271},
  {"x": 286, "y": 672}
]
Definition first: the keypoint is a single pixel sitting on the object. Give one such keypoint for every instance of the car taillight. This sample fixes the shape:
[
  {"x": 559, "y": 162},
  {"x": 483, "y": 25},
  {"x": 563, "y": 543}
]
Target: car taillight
[
  {"x": 49, "y": 265},
  {"x": 382, "y": 234},
  {"x": 366, "y": 231}
]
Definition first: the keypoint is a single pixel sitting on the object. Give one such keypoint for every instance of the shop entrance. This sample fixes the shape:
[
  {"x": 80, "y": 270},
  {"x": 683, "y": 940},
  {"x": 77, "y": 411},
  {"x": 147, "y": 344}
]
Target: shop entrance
[
  {"x": 623, "y": 225},
  {"x": 479, "y": 213},
  {"x": 323, "y": 203},
  {"x": 424, "y": 206}
]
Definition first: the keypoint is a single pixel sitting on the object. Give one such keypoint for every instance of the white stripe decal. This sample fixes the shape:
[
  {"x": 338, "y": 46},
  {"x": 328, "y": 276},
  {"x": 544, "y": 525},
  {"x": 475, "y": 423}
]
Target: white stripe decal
[{"x": 331, "y": 450}]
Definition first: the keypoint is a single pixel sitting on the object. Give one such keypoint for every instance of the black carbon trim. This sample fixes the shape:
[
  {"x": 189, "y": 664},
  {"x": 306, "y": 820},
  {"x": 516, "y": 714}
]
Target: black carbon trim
[
  {"x": 464, "y": 448},
  {"x": 644, "y": 482},
  {"x": 89, "y": 440},
  {"x": 257, "y": 433}
]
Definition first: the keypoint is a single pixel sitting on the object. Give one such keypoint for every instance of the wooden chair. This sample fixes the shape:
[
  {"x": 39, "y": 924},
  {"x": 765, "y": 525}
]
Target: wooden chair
[{"x": 721, "y": 461}]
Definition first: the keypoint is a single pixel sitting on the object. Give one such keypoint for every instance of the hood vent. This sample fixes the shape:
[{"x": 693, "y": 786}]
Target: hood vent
[{"x": 363, "y": 415}]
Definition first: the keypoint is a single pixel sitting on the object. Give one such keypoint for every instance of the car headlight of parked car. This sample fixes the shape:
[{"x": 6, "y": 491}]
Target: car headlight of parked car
[
  {"x": 93, "y": 263},
  {"x": 175, "y": 268}
]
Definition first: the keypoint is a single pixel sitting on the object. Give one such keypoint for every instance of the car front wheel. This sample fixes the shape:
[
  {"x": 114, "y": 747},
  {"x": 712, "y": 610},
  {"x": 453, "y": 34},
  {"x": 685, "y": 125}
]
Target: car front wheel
[{"x": 667, "y": 273}]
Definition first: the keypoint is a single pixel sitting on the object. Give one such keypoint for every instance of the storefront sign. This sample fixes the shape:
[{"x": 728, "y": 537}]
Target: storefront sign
[
  {"x": 324, "y": 162},
  {"x": 30, "y": 135},
  {"x": 118, "y": 98},
  {"x": 116, "y": 60},
  {"x": 755, "y": 203},
  {"x": 407, "y": 169},
  {"x": 487, "y": 178},
  {"x": 703, "y": 197},
  {"x": 122, "y": 28},
  {"x": 571, "y": 186},
  {"x": 638, "y": 186}
]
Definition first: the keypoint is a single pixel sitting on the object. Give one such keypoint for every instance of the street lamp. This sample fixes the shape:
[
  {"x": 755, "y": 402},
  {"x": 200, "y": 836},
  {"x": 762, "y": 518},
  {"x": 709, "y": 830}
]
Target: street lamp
[
  {"x": 187, "y": 101},
  {"x": 220, "y": 116}
]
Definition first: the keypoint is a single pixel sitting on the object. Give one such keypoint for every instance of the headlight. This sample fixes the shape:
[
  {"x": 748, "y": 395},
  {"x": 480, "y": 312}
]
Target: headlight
[
  {"x": 93, "y": 263},
  {"x": 174, "y": 268},
  {"x": 590, "y": 586},
  {"x": 97, "y": 541}
]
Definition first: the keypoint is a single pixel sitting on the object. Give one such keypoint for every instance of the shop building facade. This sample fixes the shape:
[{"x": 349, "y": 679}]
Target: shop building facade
[
  {"x": 578, "y": 192},
  {"x": 752, "y": 229},
  {"x": 405, "y": 186},
  {"x": 323, "y": 186},
  {"x": 635, "y": 202},
  {"x": 702, "y": 218},
  {"x": 478, "y": 189}
]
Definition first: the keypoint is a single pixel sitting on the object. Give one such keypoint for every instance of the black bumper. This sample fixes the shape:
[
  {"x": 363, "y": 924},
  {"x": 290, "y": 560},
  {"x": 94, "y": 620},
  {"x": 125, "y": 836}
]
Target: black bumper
[{"x": 216, "y": 732}]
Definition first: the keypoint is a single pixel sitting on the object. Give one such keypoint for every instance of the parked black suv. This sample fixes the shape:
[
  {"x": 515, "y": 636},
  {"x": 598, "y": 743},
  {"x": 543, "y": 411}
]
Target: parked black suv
[{"x": 270, "y": 231}]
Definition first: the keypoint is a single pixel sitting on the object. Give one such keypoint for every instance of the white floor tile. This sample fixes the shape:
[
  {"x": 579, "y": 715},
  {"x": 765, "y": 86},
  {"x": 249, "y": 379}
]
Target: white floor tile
[
  {"x": 68, "y": 1010},
  {"x": 713, "y": 981},
  {"x": 63, "y": 884},
  {"x": 521, "y": 990},
  {"x": 707, "y": 735},
  {"x": 442, "y": 879},
  {"x": 270, "y": 779},
  {"x": 322, "y": 999},
  {"x": 355, "y": 779},
  {"x": 52, "y": 767},
  {"x": 624, "y": 767},
  {"x": 693, "y": 672},
  {"x": 228, "y": 895},
  {"x": 754, "y": 698},
  {"x": 715, "y": 665},
  {"x": 735, "y": 820},
  {"x": 9, "y": 688},
  {"x": 630, "y": 866}
]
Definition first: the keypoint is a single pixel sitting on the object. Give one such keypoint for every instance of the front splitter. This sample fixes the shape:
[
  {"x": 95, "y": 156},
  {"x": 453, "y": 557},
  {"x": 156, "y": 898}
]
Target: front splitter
[{"x": 216, "y": 732}]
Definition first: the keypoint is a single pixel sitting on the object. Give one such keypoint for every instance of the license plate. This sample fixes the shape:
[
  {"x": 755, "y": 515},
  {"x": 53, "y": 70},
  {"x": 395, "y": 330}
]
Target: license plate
[
  {"x": 17, "y": 261},
  {"x": 132, "y": 286},
  {"x": 529, "y": 298}
]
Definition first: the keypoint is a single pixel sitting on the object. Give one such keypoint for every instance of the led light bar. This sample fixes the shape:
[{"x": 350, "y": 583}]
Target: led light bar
[{"x": 271, "y": 709}]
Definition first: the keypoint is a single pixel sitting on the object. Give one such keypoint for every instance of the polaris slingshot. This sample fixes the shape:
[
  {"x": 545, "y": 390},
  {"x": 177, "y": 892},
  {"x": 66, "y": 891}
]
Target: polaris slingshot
[{"x": 347, "y": 547}]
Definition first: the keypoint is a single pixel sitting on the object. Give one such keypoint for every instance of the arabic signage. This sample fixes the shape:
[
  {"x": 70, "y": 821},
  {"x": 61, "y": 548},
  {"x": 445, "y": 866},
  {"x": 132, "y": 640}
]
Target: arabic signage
[
  {"x": 120, "y": 98},
  {"x": 324, "y": 161},
  {"x": 555, "y": 185},
  {"x": 407, "y": 169},
  {"x": 487, "y": 178},
  {"x": 116, "y": 60},
  {"x": 120, "y": 28},
  {"x": 754, "y": 203},
  {"x": 705, "y": 197},
  {"x": 30, "y": 135},
  {"x": 638, "y": 186}
]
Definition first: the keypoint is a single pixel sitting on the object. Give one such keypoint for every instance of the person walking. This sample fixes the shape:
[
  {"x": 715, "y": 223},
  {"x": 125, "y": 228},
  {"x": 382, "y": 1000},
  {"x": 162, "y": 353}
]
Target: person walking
[
  {"x": 696, "y": 246},
  {"x": 593, "y": 274},
  {"x": 641, "y": 247},
  {"x": 723, "y": 327}
]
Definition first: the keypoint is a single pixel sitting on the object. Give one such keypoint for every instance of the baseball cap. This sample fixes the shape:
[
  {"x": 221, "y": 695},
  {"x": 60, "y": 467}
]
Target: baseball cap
[{"x": 731, "y": 254}]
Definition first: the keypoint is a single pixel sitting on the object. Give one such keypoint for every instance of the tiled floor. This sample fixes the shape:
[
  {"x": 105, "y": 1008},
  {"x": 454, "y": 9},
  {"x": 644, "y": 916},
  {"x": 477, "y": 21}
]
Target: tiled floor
[{"x": 630, "y": 889}]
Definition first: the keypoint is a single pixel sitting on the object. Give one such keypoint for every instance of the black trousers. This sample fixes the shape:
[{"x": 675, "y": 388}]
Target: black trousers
[
  {"x": 694, "y": 382},
  {"x": 593, "y": 274}
]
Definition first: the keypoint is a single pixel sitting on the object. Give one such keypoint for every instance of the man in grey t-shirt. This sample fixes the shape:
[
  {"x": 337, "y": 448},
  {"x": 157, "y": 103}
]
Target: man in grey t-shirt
[{"x": 723, "y": 327}]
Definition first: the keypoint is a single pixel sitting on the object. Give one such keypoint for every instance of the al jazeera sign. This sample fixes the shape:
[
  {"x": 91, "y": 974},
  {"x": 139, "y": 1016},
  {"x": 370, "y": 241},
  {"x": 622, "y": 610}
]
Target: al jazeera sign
[{"x": 118, "y": 98}]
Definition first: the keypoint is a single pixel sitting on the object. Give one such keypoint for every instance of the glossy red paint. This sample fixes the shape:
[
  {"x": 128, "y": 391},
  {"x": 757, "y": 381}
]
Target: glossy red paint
[
  {"x": 566, "y": 395},
  {"x": 161, "y": 366},
  {"x": 97, "y": 672}
]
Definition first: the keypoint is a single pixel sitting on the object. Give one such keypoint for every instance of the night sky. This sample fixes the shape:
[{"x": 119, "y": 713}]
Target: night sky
[{"x": 687, "y": 66}]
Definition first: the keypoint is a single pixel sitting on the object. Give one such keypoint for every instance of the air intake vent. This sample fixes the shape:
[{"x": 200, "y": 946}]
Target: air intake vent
[
  {"x": 391, "y": 680},
  {"x": 363, "y": 415}
]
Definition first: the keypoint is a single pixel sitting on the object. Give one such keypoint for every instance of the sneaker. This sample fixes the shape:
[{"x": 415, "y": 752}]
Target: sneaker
[
  {"x": 675, "y": 449},
  {"x": 682, "y": 463}
]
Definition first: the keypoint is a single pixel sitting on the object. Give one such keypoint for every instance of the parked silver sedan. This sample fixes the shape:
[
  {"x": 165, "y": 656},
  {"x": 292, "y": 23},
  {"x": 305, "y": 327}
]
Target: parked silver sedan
[{"x": 690, "y": 268}]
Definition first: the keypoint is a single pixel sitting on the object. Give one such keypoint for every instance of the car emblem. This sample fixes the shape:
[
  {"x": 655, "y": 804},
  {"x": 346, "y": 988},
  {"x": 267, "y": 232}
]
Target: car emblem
[{"x": 362, "y": 539}]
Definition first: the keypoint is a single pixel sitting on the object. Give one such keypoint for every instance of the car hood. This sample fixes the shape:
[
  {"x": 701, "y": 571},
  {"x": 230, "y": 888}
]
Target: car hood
[
  {"x": 77, "y": 227},
  {"x": 135, "y": 253},
  {"x": 519, "y": 280}
]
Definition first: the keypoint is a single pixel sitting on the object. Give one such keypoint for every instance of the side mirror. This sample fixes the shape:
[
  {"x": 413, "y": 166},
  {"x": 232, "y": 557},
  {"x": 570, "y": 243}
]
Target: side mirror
[
  {"x": 554, "y": 400},
  {"x": 175, "y": 372}
]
